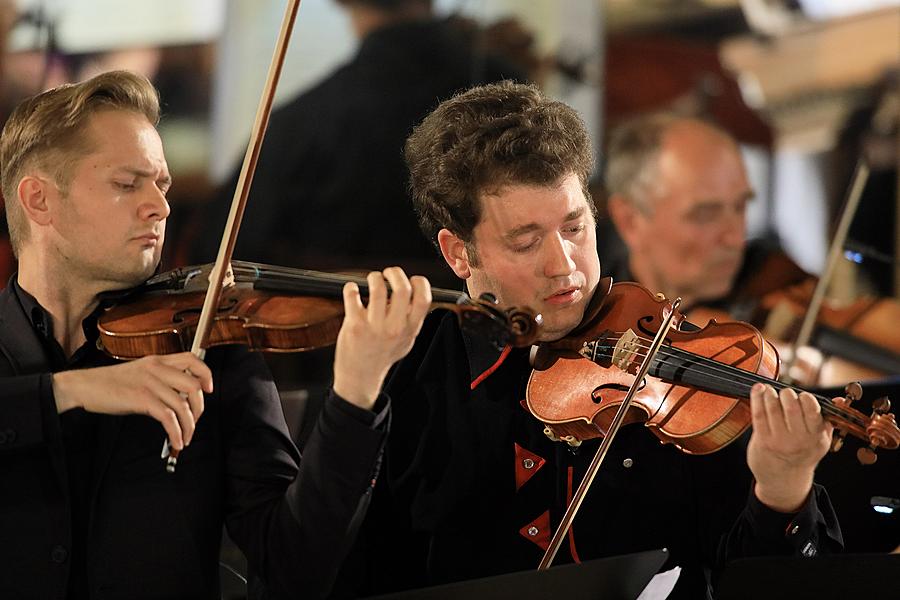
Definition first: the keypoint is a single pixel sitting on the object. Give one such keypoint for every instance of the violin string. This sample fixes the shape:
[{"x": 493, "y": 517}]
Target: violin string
[
  {"x": 726, "y": 373},
  {"x": 709, "y": 371},
  {"x": 747, "y": 378}
]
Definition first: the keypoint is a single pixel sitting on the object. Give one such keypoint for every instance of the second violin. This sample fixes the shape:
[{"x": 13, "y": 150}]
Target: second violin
[{"x": 273, "y": 309}]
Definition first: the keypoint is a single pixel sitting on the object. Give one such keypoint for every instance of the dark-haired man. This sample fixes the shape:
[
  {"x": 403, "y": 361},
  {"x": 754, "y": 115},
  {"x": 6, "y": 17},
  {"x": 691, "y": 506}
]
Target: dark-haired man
[
  {"x": 88, "y": 509},
  {"x": 499, "y": 177}
]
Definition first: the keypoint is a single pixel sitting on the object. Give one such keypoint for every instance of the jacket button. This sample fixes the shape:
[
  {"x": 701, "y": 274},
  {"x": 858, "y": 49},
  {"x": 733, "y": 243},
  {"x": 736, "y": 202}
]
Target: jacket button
[
  {"x": 627, "y": 463},
  {"x": 59, "y": 554}
]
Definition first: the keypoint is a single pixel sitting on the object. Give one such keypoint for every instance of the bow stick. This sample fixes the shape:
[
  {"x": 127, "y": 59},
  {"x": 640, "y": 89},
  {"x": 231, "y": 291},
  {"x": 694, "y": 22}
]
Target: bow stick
[{"x": 221, "y": 274}]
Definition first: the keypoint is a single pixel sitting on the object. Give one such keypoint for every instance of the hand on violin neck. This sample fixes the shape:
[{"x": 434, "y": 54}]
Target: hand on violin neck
[
  {"x": 789, "y": 439},
  {"x": 374, "y": 337},
  {"x": 167, "y": 388}
]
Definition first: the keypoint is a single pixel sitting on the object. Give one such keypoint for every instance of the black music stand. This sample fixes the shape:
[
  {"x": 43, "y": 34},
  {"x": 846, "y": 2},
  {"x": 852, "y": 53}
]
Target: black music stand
[
  {"x": 615, "y": 578},
  {"x": 844, "y": 576}
]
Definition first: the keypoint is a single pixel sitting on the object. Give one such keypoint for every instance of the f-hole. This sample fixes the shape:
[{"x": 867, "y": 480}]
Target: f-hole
[
  {"x": 225, "y": 306},
  {"x": 597, "y": 394}
]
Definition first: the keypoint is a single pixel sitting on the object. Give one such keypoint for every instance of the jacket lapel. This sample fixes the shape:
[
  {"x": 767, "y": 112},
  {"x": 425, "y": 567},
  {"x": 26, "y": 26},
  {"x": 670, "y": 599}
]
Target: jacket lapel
[{"x": 22, "y": 349}]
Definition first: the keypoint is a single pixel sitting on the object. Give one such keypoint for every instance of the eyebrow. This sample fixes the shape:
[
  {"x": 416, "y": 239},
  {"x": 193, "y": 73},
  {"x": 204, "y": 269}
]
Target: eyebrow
[
  {"x": 530, "y": 227},
  {"x": 746, "y": 196}
]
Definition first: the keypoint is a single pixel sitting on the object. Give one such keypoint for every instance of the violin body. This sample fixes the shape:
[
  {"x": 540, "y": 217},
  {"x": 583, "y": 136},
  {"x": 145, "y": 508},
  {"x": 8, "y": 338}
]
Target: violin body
[
  {"x": 261, "y": 320},
  {"x": 696, "y": 421},
  {"x": 860, "y": 339}
]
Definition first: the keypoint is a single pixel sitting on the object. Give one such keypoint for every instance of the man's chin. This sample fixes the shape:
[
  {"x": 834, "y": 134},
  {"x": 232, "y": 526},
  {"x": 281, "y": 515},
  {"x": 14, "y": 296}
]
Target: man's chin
[
  {"x": 559, "y": 324},
  {"x": 123, "y": 280}
]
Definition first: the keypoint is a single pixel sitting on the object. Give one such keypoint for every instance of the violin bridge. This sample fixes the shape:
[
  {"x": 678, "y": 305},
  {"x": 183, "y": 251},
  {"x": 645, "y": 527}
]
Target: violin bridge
[{"x": 626, "y": 350}]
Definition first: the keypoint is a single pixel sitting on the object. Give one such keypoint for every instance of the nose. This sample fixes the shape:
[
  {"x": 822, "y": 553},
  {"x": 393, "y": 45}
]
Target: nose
[
  {"x": 733, "y": 234},
  {"x": 558, "y": 256},
  {"x": 153, "y": 206}
]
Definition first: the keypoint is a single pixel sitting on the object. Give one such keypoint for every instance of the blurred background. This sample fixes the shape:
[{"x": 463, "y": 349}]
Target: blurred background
[{"x": 807, "y": 87}]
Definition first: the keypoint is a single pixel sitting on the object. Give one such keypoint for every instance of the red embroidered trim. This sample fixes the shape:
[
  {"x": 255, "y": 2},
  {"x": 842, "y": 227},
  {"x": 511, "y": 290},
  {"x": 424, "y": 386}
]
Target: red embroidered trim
[
  {"x": 541, "y": 531},
  {"x": 477, "y": 381},
  {"x": 523, "y": 473}
]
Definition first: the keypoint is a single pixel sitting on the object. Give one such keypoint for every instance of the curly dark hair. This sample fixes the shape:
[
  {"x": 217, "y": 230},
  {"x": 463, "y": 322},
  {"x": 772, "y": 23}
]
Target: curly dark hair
[{"x": 486, "y": 138}]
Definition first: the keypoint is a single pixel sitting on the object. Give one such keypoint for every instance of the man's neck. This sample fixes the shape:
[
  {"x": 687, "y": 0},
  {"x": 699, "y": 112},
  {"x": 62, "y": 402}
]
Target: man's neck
[
  {"x": 67, "y": 298},
  {"x": 656, "y": 282}
]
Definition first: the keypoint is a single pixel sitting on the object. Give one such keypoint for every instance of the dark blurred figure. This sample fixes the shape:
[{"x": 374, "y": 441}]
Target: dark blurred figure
[
  {"x": 331, "y": 170},
  {"x": 870, "y": 134},
  {"x": 7, "y": 260}
]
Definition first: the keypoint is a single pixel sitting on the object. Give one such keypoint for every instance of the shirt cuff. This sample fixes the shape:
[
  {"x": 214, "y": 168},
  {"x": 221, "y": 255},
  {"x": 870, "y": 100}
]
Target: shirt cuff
[
  {"x": 796, "y": 531},
  {"x": 375, "y": 418}
]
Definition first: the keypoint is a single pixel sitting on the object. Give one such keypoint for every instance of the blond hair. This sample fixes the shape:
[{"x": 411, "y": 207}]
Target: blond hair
[{"x": 46, "y": 131}]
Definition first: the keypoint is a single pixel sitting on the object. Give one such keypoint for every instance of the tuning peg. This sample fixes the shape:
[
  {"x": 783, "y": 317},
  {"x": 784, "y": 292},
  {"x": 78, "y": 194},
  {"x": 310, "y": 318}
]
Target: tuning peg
[
  {"x": 853, "y": 391},
  {"x": 837, "y": 439},
  {"x": 866, "y": 456},
  {"x": 881, "y": 406},
  {"x": 551, "y": 435}
]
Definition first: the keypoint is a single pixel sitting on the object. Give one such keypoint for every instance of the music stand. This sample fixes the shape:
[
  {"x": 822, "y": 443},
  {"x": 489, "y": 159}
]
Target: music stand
[
  {"x": 614, "y": 578},
  {"x": 870, "y": 576}
]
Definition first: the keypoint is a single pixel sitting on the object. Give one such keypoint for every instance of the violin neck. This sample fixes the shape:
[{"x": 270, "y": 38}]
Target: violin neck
[{"x": 329, "y": 285}]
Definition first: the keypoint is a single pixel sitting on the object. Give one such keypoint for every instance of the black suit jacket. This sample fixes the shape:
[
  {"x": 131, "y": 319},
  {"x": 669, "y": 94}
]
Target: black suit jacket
[
  {"x": 156, "y": 535},
  {"x": 474, "y": 488}
]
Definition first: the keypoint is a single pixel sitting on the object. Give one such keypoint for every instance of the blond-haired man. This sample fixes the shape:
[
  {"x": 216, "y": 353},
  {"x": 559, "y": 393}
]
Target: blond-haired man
[{"x": 88, "y": 509}]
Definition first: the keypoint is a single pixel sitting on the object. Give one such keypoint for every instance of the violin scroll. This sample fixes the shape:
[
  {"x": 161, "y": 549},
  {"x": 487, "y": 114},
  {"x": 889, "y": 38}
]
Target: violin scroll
[
  {"x": 515, "y": 326},
  {"x": 879, "y": 429}
]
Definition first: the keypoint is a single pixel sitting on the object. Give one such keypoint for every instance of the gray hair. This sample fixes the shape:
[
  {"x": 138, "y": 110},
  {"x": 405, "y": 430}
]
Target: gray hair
[{"x": 633, "y": 153}]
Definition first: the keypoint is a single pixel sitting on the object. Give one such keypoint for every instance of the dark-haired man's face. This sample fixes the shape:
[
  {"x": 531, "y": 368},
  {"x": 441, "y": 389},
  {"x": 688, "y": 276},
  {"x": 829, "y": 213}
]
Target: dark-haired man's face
[{"x": 537, "y": 247}]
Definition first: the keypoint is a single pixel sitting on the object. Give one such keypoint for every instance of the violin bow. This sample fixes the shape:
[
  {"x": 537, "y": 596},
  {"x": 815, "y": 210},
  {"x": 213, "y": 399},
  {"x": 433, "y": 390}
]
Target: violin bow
[
  {"x": 597, "y": 461},
  {"x": 858, "y": 184},
  {"x": 221, "y": 274}
]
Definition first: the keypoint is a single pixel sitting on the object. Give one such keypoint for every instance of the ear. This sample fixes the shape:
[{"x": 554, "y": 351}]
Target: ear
[
  {"x": 454, "y": 251},
  {"x": 32, "y": 196},
  {"x": 627, "y": 218}
]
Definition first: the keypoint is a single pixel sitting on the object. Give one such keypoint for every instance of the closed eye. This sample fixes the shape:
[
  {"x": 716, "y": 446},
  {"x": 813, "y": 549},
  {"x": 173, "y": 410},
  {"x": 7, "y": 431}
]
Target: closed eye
[
  {"x": 523, "y": 248},
  {"x": 125, "y": 186}
]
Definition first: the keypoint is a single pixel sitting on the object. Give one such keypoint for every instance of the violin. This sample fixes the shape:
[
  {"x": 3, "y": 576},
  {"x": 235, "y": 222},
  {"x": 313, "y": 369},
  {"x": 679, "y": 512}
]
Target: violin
[
  {"x": 273, "y": 309},
  {"x": 860, "y": 338},
  {"x": 696, "y": 393}
]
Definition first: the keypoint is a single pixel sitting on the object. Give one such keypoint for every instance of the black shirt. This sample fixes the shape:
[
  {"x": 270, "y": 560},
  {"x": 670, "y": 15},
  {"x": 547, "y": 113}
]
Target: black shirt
[
  {"x": 79, "y": 429},
  {"x": 117, "y": 523}
]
